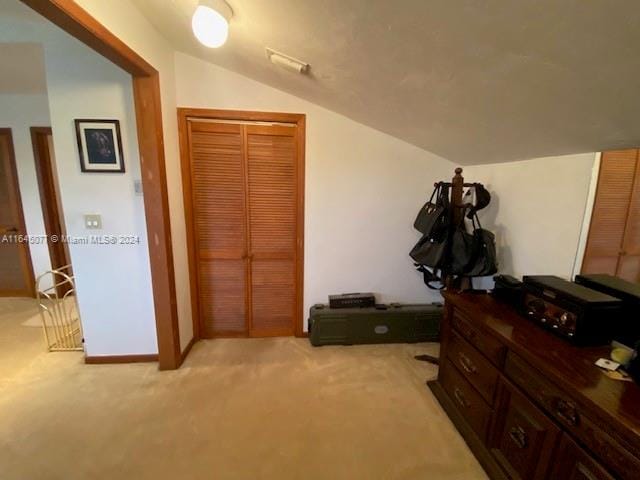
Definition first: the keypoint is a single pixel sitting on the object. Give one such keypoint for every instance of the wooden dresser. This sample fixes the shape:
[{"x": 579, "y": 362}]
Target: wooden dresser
[{"x": 530, "y": 405}]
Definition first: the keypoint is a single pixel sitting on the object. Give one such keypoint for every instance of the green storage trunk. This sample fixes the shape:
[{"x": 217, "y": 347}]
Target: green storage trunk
[{"x": 393, "y": 323}]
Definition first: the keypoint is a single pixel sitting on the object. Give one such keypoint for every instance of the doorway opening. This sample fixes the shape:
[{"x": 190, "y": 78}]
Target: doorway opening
[
  {"x": 44, "y": 157},
  {"x": 16, "y": 268}
]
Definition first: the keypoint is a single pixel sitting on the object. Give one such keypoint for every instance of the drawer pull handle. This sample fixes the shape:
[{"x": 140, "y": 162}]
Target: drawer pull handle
[
  {"x": 460, "y": 398},
  {"x": 567, "y": 411},
  {"x": 466, "y": 364},
  {"x": 519, "y": 437}
]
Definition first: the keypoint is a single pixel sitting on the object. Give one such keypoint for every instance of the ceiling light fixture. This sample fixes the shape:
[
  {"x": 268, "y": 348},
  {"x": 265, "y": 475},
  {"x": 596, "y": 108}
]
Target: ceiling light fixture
[
  {"x": 210, "y": 22},
  {"x": 286, "y": 61}
]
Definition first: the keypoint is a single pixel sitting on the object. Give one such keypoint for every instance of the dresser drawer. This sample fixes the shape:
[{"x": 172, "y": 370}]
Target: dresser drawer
[
  {"x": 467, "y": 401},
  {"x": 523, "y": 438},
  {"x": 573, "y": 463},
  {"x": 473, "y": 366},
  {"x": 487, "y": 345},
  {"x": 573, "y": 417}
]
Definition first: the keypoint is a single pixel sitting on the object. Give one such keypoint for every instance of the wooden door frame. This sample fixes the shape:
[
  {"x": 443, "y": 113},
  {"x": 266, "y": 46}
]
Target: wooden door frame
[
  {"x": 49, "y": 196},
  {"x": 299, "y": 120},
  {"x": 27, "y": 263},
  {"x": 73, "y": 19}
]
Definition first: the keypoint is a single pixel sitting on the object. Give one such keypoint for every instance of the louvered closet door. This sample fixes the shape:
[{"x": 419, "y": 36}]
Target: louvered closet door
[
  {"x": 219, "y": 226},
  {"x": 610, "y": 213},
  {"x": 271, "y": 181},
  {"x": 629, "y": 263}
]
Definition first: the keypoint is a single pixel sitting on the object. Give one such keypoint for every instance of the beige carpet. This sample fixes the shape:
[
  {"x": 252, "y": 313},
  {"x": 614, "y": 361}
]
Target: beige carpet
[
  {"x": 20, "y": 345},
  {"x": 238, "y": 409}
]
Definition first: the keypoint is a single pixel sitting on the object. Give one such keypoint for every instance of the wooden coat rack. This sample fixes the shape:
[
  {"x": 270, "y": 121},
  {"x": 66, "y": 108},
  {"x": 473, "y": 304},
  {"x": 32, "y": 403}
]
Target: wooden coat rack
[
  {"x": 457, "y": 185},
  {"x": 456, "y": 215}
]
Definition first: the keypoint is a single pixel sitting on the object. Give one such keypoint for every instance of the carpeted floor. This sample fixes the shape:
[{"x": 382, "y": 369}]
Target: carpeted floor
[
  {"x": 20, "y": 344},
  {"x": 238, "y": 409}
]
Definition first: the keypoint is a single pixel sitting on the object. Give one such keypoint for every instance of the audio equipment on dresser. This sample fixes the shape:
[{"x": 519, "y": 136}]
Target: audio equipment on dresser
[
  {"x": 629, "y": 327},
  {"x": 508, "y": 289},
  {"x": 574, "y": 312}
]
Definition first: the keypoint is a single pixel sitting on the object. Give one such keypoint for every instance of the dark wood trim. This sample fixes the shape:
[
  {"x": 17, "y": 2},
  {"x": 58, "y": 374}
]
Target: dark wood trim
[
  {"x": 146, "y": 92},
  {"x": 301, "y": 142},
  {"x": 110, "y": 359},
  {"x": 240, "y": 115},
  {"x": 469, "y": 436},
  {"x": 247, "y": 116},
  {"x": 156, "y": 202},
  {"x": 27, "y": 263},
  {"x": 185, "y": 170},
  {"x": 50, "y": 200},
  {"x": 187, "y": 349}
]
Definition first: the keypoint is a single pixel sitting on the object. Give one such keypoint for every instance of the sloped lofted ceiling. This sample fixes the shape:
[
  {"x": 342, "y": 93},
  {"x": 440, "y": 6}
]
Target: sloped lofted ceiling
[{"x": 475, "y": 81}]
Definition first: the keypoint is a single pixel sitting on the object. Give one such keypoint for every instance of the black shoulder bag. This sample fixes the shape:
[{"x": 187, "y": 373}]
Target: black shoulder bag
[{"x": 431, "y": 213}]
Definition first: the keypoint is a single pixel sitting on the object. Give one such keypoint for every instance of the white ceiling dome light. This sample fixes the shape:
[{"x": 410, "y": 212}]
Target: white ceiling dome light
[{"x": 210, "y": 22}]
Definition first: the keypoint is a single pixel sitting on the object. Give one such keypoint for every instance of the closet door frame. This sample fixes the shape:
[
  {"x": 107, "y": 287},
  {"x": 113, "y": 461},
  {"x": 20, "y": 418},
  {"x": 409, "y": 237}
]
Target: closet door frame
[{"x": 184, "y": 114}]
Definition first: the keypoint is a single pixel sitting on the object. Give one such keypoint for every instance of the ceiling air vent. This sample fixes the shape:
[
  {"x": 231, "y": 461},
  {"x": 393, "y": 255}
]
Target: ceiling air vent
[{"x": 286, "y": 61}]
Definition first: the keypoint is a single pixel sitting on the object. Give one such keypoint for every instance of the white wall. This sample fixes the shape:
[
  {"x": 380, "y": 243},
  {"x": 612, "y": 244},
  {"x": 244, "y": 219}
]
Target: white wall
[
  {"x": 20, "y": 113},
  {"x": 113, "y": 282},
  {"x": 363, "y": 188},
  {"x": 135, "y": 30},
  {"x": 536, "y": 211}
]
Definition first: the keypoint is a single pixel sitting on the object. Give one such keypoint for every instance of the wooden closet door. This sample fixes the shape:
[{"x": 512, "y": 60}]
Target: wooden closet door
[
  {"x": 610, "y": 212},
  {"x": 219, "y": 226},
  {"x": 629, "y": 263},
  {"x": 272, "y": 193}
]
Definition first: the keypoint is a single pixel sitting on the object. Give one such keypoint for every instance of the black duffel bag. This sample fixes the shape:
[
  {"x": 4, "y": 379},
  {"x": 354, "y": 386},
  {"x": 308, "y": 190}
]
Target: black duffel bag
[{"x": 462, "y": 250}]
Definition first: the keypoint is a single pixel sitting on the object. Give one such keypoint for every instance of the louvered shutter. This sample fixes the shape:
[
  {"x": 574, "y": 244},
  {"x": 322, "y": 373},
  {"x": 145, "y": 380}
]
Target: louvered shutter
[
  {"x": 271, "y": 181},
  {"x": 629, "y": 265},
  {"x": 218, "y": 202},
  {"x": 610, "y": 212}
]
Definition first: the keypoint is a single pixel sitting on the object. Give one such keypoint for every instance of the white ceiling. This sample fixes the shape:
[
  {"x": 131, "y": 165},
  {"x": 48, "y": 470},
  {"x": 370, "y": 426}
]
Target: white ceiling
[
  {"x": 475, "y": 81},
  {"x": 22, "y": 68}
]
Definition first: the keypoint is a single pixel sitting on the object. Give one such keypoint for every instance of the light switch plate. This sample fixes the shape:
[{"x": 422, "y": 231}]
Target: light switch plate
[
  {"x": 93, "y": 221},
  {"x": 137, "y": 187}
]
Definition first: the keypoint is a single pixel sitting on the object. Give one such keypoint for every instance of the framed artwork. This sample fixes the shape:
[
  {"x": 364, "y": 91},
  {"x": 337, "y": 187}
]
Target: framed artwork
[{"x": 100, "y": 146}]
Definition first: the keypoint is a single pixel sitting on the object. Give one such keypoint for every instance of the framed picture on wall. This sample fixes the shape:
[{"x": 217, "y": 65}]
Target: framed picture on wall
[{"x": 100, "y": 146}]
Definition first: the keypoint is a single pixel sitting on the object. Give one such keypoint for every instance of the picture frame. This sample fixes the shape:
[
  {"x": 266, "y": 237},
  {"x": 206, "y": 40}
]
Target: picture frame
[{"x": 99, "y": 146}]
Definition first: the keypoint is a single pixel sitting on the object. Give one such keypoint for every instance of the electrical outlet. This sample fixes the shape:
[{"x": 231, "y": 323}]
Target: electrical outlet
[{"x": 93, "y": 222}]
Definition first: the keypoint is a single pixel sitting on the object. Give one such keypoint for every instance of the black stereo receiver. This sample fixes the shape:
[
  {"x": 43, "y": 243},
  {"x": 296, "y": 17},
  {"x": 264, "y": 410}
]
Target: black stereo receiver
[
  {"x": 574, "y": 312},
  {"x": 628, "y": 331}
]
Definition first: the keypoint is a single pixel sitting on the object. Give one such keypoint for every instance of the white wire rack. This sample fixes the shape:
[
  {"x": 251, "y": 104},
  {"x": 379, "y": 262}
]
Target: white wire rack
[{"x": 59, "y": 310}]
